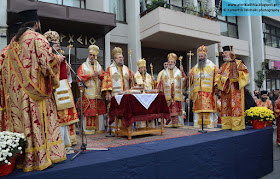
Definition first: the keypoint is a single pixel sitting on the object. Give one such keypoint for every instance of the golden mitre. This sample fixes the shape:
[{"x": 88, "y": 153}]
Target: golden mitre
[
  {"x": 202, "y": 49},
  {"x": 141, "y": 63},
  {"x": 116, "y": 51},
  {"x": 172, "y": 56},
  {"x": 52, "y": 36},
  {"x": 93, "y": 49}
]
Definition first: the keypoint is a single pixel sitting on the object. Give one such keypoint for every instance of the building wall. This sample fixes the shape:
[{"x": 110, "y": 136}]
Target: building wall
[
  {"x": 245, "y": 33},
  {"x": 3, "y": 25},
  {"x": 249, "y": 47},
  {"x": 257, "y": 43}
]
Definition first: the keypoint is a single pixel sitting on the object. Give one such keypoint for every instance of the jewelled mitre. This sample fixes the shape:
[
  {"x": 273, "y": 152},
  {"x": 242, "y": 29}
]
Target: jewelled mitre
[
  {"x": 172, "y": 56},
  {"x": 202, "y": 49},
  {"x": 52, "y": 36},
  {"x": 93, "y": 49},
  {"x": 141, "y": 63},
  {"x": 116, "y": 51}
]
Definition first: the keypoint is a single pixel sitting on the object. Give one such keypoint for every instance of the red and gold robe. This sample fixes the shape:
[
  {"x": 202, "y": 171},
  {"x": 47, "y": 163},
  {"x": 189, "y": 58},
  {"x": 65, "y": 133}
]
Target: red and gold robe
[
  {"x": 29, "y": 75},
  {"x": 170, "y": 84},
  {"x": 207, "y": 105},
  {"x": 232, "y": 81},
  {"x": 92, "y": 110},
  {"x": 107, "y": 84},
  {"x": 118, "y": 74},
  {"x": 267, "y": 104},
  {"x": 277, "y": 116},
  {"x": 67, "y": 117},
  {"x": 3, "y": 114}
]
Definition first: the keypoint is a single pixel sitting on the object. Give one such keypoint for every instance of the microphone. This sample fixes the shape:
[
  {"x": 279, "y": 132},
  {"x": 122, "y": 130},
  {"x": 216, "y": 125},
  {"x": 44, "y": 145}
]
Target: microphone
[{"x": 82, "y": 83}]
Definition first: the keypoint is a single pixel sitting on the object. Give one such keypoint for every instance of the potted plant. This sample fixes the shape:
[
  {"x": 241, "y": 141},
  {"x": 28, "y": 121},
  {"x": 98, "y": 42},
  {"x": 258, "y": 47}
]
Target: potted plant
[
  {"x": 259, "y": 116},
  {"x": 190, "y": 8},
  {"x": 11, "y": 146}
]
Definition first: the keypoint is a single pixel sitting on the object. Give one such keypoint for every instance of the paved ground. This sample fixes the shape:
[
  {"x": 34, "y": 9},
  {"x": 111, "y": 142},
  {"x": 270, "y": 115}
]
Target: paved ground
[{"x": 276, "y": 160}]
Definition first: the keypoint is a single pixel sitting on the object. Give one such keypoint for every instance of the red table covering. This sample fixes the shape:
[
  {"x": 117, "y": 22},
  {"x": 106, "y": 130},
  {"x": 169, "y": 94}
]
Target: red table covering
[{"x": 131, "y": 110}]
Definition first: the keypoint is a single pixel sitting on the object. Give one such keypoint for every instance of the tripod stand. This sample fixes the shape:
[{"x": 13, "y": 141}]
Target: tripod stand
[
  {"x": 202, "y": 125},
  {"x": 84, "y": 144},
  {"x": 110, "y": 130}
]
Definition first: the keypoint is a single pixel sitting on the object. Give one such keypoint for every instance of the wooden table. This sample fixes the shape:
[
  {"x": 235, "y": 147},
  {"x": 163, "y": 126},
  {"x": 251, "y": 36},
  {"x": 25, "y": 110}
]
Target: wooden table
[{"x": 130, "y": 110}]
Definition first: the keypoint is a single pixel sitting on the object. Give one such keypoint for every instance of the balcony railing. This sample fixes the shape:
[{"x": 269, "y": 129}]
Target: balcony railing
[{"x": 178, "y": 8}]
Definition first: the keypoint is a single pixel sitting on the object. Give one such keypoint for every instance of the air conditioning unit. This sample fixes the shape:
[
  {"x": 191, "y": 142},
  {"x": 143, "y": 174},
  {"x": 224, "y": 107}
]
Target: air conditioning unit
[{"x": 3, "y": 33}]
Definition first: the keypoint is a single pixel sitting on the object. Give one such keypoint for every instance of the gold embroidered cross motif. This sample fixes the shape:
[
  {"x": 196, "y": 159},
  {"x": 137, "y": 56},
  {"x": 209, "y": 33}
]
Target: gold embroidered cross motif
[
  {"x": 166, "y": 79},
  {"x": 208, "y": 69},
  {"x": 178, "y": 78},
  {"x": 196, "y": 70},
  {"x": 116, "y": 77},
  {"x": 126, "y": 76}
]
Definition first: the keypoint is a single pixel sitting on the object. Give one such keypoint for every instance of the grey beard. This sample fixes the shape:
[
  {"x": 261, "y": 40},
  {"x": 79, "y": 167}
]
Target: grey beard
[
  {"x": 201, "y": 64},
  {"x": 141, "y": 72},
  {"x": 120, "y": 64},
  {"x": 226, "y": 59}
]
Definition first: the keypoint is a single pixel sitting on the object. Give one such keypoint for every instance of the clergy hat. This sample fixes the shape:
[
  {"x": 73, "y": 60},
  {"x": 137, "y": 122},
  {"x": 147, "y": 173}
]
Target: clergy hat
[
  {"x": 116, "y": 51},
  {"x": 202, "y": 49},
  {"x": 52, "y": 36},
  {"x": 141, "y": 63},
  {"x": 228, "y": 48},
  {"x": 263, "y": 92},
  {"x": 93, "y": 49},
  {"x": 172, "y": 56},
  {"x": 28, "y": 15}
]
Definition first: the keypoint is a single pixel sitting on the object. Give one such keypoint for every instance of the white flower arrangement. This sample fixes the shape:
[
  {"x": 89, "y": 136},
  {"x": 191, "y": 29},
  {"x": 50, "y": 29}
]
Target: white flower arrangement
[{"x": 11, "y": 144}]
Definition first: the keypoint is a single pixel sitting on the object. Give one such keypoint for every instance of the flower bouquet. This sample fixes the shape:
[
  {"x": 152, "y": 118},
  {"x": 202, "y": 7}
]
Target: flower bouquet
[
  {"x": 258, "y": 116},
  {"x": 11, "y": 146}
]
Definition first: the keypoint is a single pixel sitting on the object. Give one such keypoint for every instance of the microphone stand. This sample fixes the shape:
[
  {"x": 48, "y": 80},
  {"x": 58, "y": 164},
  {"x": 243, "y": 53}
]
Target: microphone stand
[
  {"x": 81, "y": 127},
  {"x": 202, "y": 126}
]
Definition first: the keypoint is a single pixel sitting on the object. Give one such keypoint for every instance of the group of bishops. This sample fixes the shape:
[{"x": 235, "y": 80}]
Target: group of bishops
[{"x": 36, "y": 98}]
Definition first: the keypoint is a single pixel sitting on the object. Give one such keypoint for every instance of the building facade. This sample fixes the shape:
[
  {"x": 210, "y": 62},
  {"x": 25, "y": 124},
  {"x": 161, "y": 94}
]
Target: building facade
[{"x": 152, "y": 29}]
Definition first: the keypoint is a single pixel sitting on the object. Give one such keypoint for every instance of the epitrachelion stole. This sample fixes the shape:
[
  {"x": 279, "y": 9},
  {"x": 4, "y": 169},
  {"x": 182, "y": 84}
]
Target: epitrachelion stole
[{"x": 63, "y": 96}]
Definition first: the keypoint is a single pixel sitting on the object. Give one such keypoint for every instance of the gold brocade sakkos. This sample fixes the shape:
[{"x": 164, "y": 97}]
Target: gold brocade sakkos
[
  {"x": 28, "y": 74},
  {"x": 232, "y": 96}
]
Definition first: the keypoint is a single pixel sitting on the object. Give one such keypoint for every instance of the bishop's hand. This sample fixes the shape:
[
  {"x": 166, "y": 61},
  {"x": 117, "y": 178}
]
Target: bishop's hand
[
  {"x": 60, "y": 58},
  {"x": 95, "y": 74}
]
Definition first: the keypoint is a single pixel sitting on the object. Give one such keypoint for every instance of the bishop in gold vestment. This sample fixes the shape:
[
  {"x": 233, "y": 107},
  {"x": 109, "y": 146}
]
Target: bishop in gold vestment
[
  {"x": 117, "y": 77},
  {"x": 144, "y": 79},
  {"x": 66, "y": 109},
  {"x": 232, "y": 81},
  {"x": 94, "y": 107},
  {"x": 171, "y": 84},
  {"x": 203, "y": 78},
  {"x": 29, "y": 73}
]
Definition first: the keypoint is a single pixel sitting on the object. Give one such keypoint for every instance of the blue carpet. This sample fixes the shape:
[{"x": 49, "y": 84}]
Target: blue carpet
[{"x": 223, "y": 154}]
